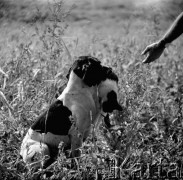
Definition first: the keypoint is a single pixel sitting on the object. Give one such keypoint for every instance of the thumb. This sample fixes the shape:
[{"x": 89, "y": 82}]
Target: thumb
[
  {"x": 146, "y": 60},
  {"x": 145, "y": 50}
]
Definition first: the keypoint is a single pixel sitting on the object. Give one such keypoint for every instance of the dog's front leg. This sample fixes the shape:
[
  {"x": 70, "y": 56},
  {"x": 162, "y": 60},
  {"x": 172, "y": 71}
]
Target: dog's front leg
[{"x": 76, "y": 143}]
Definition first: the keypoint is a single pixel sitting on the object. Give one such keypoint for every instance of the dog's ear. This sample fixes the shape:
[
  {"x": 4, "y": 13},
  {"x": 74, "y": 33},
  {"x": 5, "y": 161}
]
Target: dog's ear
[
  {"x": 93, "y": 73},
  {"x": 89, "y": 69},
  {"x": 109, "y": 74}
]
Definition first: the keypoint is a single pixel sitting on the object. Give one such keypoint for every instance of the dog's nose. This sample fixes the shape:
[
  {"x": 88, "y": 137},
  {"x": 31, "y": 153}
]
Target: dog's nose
[
  {"x": 118, "y": 107},
  {"x": 110, "y": 106}
]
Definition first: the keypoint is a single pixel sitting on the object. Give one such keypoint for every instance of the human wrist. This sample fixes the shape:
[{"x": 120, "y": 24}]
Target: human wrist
[{"x": 162, "y": 43}]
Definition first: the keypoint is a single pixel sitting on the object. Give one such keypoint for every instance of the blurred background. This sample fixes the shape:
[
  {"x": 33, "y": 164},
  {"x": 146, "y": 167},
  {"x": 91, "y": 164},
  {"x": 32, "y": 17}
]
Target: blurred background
[
  {"x": 23, "y": 10},
  {"x": 86, "y": 18}
]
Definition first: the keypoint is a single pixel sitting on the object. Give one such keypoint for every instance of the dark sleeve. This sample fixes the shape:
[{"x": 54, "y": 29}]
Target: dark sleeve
[{"x": 55, "y": 120}]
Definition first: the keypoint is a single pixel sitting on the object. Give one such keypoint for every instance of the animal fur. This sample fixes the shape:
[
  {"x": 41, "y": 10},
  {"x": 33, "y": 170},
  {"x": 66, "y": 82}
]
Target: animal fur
[{"x": 91, "y": 89}]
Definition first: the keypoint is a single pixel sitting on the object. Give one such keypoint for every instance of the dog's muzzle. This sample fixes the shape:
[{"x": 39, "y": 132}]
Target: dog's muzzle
[{"x": 109, "y": 107}]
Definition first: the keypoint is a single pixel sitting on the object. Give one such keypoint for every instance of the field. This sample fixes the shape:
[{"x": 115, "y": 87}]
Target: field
[{"x": 39, "y": 41}]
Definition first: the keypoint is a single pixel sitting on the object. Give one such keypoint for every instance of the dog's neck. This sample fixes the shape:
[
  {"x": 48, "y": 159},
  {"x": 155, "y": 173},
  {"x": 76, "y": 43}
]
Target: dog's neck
[{"x": 76, "y": 84}]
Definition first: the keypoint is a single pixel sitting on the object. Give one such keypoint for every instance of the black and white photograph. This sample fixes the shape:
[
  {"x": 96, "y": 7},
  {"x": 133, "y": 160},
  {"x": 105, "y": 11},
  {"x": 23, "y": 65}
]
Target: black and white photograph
[{"x": 91, "y": 90}]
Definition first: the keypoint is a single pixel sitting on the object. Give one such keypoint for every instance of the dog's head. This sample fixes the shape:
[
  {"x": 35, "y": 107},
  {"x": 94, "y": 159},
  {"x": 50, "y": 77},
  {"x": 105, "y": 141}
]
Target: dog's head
[
  {"x": 89, "y": 69},
  {"x": 92, "y": 73},
  {"x": 108, "y": 90}
]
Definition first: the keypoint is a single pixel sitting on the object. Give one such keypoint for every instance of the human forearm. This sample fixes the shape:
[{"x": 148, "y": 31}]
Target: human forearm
[{"x": 174, "y": 31}]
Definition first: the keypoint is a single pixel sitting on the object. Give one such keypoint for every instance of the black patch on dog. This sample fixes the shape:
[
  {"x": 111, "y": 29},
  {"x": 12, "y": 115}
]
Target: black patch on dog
[
  {"x": 55, "y": 120},
  {"x": 88, "y": 69},
  {"x": 109, "y": 74},
  {"x": 111, "y": 103}
]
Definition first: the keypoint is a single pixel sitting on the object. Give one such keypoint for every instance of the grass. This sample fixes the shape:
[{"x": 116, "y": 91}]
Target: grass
[{"x": 37, "y": 49}]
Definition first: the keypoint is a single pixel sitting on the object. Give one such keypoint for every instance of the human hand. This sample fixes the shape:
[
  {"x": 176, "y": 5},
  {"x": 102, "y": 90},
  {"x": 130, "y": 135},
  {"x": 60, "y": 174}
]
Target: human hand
[{"x": 154, "y": 52}]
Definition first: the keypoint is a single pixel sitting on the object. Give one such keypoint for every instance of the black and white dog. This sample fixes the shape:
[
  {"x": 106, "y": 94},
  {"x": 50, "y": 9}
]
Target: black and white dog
[{"x": 91, "y": 89}]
